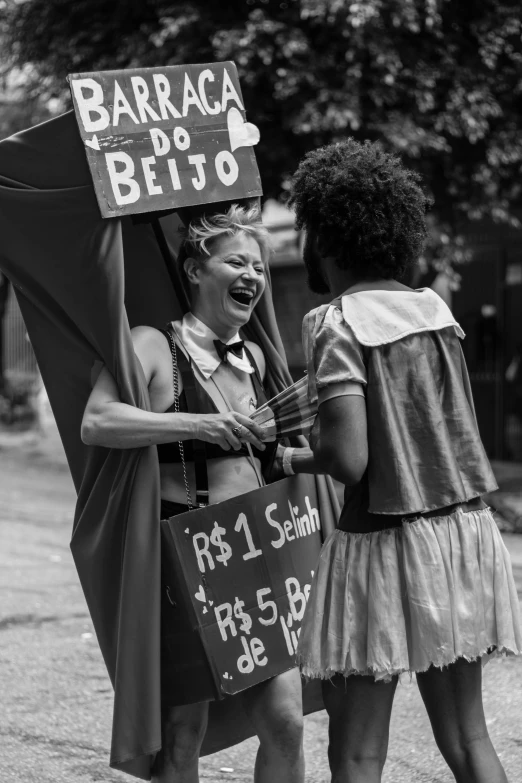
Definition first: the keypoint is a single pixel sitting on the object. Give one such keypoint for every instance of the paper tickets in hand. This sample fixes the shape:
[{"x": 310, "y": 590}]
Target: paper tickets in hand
[{"x": 288, "y": 413}]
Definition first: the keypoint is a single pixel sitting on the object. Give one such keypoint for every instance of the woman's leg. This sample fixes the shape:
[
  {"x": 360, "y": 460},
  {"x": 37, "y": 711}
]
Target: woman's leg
[
  {"x": 276, "y": 711},
  {"x": 453, "y": 699},
  {"x": 183, "y": 732},
  {"x": 359, "y": 710}
]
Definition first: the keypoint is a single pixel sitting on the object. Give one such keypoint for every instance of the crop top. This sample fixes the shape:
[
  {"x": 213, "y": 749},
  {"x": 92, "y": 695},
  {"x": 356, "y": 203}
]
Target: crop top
[{"x": 169, "y": 452}]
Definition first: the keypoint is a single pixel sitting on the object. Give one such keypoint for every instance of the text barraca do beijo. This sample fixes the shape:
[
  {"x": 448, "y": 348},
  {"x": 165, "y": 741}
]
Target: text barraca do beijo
[{"x": 151, "y": 114}]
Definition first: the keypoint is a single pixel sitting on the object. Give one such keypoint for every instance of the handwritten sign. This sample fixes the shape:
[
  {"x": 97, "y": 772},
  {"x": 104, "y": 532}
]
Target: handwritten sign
[
  {"x": 162, "y": 138},
  {"x": 244, "y": 568}
]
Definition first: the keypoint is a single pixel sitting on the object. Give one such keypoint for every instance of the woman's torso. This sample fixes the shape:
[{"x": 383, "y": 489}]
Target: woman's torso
[{"x": 228, "y": 476}]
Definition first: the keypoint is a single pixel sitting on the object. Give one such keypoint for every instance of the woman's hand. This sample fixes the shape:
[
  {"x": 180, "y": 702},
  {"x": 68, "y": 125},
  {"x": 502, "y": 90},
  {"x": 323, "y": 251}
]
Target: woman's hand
[{"x": 229, "y": 430}]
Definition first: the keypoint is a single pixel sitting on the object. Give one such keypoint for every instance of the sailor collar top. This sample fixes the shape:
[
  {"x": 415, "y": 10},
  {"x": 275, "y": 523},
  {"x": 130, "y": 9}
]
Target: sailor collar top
[{"x": 401, "y": 349}]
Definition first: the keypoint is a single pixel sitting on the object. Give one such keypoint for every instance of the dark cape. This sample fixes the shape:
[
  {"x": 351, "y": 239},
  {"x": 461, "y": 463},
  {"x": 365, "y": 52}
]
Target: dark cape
[{"x": 82, "y": 282}]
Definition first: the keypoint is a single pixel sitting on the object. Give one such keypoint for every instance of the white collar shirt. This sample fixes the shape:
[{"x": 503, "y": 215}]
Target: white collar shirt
[{"x": 198, "y": 340}]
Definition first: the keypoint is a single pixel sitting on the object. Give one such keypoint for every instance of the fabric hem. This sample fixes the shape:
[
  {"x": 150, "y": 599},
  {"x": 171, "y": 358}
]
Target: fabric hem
[
  {"x": 134, "y": 756},
  {"x": 310, "y": 672},
  {"x": 398, "y": 529},
  {"x": 466, "y": 499}
]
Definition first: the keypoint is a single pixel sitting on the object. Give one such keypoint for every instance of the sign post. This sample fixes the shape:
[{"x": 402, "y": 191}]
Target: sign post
[
  {"x": 163, "y": 138},
  {"x": 243, "y": 569}
]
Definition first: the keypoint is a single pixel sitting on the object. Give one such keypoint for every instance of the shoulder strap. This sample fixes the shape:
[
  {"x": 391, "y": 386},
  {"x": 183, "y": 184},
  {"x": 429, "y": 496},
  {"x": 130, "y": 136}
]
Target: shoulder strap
[
  {"x": 190, "y": 387},
  {"x": 257, "y": 380}
]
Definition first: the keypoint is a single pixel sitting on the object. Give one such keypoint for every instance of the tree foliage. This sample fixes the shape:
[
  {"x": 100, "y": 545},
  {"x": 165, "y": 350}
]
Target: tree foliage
[
  {"x": 438, "y": 81},
  {"x": 20, "y": 107}
]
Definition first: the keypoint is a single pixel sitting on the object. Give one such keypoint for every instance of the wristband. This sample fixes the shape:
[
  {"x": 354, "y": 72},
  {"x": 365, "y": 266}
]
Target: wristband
[{"x": 287, "y": 461}]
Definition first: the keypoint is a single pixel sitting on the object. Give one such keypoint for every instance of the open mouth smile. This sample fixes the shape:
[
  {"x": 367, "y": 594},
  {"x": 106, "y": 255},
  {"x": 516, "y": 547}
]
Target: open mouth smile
[{"x": 243, "y": 296}]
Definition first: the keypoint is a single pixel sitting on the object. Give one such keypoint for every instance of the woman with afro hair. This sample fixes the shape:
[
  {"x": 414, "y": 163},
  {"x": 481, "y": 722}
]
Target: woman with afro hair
[{"x": 416, "y": 578}]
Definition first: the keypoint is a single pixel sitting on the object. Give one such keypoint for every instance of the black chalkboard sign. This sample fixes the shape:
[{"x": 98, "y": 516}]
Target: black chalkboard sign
[
  {"x": 162, "y": 138},
  {"x": 243, "y": 569}
]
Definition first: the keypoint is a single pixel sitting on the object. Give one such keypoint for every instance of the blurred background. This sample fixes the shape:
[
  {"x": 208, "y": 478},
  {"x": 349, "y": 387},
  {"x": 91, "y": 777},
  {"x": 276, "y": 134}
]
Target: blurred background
[{"x": 437, "y": 81}]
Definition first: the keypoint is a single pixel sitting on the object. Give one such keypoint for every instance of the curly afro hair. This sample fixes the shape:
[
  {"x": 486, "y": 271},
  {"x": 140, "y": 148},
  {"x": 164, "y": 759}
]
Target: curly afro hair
[{"x": 365, "y": 208}]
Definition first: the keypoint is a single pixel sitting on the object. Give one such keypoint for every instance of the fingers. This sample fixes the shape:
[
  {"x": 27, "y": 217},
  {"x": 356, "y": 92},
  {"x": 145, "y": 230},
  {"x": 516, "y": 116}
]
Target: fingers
[
  {"x": 249, "y": 437},
  {"x": 229, "y": 442},
  {"x": 250, "y": 431},
  {"x": 246, "y": 421},
  {"x": 231, "y": 430},
  {"x": 233, "y": 440}
]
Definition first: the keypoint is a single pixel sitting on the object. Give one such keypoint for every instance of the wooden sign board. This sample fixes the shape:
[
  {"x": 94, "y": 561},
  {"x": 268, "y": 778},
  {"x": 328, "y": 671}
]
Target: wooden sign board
[
  {"x": 244, "y": 569},
  {"x": 162, "y": 138}
]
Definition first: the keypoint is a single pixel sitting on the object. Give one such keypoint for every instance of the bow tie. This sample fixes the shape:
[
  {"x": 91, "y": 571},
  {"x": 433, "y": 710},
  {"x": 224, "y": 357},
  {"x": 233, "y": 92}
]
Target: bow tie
[{"x": 222, "y": 349}]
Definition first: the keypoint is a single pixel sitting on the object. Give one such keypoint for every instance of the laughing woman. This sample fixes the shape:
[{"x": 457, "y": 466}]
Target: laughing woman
[{"x": 219, "y": 382}]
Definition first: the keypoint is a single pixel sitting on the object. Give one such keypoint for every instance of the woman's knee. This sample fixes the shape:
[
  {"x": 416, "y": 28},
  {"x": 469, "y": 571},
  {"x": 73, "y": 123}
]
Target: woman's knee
[
  {"x": 276, "y": 711},
  {"x": 453, "y": 699},
  {"x": 461, "y": 747},
  {"x": 183, "y": 735},
  {"x": 283, "y": 732},
  {"x": 356, "y": 759}
]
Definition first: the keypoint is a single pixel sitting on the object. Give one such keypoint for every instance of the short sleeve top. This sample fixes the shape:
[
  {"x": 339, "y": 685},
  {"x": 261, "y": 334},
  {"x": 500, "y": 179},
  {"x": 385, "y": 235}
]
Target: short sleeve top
[
  {"x": 402, "y": 350},
  {"x": 336, "y": 364}
]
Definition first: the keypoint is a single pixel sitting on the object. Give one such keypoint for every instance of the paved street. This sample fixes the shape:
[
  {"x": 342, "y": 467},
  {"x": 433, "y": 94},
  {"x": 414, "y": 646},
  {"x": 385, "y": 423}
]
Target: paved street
[{"x": 56, "y": 696}]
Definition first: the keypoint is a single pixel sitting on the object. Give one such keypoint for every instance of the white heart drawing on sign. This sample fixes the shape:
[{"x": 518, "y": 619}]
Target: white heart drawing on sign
[
  {"x": 241, "y": 133},
  {"x": 187, "y": 531},
  {"x": 211, "y": 603},
  {"x": 200, "y": 595},
  {"x": 205, "y": 610},
  {"x": 93, "y": 143},
  {"x": 226, "y": 676}
]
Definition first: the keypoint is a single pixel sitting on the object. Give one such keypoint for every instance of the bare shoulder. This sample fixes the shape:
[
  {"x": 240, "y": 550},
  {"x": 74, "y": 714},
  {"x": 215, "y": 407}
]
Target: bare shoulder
[
  {"x": 147, "y": 335},
  {"x": 258, "y": 355},
  {"x": 151, "y": 347}
]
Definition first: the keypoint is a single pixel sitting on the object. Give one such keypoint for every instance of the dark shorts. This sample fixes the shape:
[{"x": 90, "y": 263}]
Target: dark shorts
[{"x": 186, "y": 677}]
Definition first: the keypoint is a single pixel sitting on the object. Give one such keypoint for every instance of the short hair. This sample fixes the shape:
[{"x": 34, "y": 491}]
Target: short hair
[
  {"x": 202, "y": 232},
  {"x": 366, "y": 209}
]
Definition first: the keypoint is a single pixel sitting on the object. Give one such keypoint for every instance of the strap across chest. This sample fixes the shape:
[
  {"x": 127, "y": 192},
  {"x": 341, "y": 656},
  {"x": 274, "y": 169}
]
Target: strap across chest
[{"x": 198, "y": 394}]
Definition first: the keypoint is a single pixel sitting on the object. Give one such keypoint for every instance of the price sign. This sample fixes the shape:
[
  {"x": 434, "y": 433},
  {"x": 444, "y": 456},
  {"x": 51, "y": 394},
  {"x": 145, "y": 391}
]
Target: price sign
[
  {"x": 245, "y": 567},
  {"x": 162, "y": 138}
]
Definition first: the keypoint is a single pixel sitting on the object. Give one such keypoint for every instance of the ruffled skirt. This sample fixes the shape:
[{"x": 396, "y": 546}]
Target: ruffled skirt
[{"x": 403, "y": 599}]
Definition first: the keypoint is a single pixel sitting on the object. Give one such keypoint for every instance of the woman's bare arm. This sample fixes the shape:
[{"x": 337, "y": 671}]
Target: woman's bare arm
[{"x": 111, "y": 423}]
